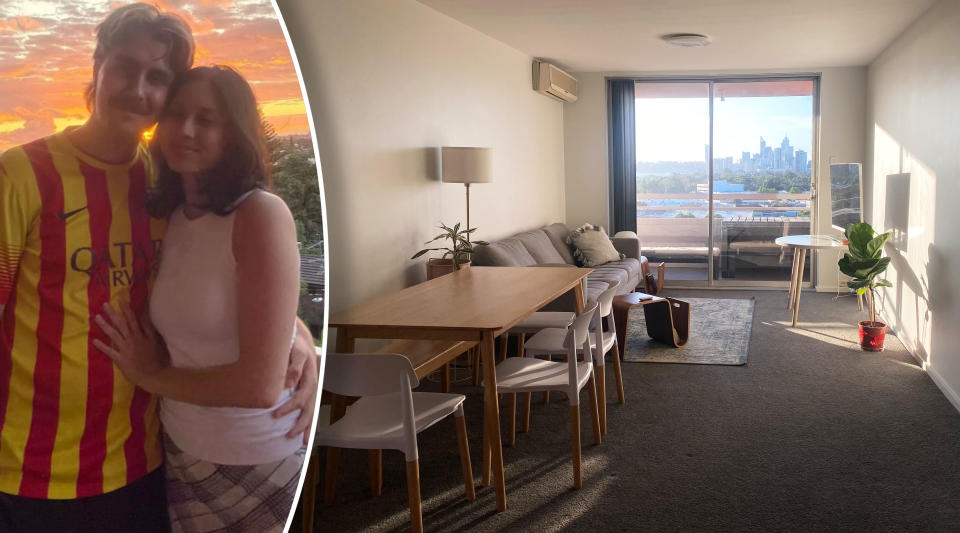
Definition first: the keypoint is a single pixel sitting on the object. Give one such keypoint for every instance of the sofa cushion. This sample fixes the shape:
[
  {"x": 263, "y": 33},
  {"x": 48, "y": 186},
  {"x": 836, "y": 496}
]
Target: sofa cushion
[
  {"x": 538, "y": 244},
  {"x": 507, "y": 252},
  {"x": 593, "y": 246},
  {"x": 631, "y": 265},
  {"x": 558, "y": 233}
]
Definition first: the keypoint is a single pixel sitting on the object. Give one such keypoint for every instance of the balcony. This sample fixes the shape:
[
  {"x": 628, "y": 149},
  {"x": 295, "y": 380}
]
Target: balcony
[{"x": 673, "y": 228}]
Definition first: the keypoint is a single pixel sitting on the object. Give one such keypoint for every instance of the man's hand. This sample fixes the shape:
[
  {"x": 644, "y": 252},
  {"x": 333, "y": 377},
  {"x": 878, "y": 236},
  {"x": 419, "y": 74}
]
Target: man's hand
[{"x": 302, "y": 374}]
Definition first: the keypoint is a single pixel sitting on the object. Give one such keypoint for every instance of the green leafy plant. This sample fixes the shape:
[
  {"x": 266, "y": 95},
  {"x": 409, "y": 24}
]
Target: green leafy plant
[
  {"x": 863, "y": 261},
  {"x": 459, "y": 247}
]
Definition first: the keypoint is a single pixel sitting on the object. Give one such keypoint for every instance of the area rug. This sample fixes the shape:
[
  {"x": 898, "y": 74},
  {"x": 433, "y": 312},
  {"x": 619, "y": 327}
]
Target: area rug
[{"x": 719, "y": 335}]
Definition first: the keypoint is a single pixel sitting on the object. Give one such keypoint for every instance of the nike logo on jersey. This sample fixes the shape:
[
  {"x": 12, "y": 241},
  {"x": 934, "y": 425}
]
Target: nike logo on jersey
[{"x": 65, "y": 215}]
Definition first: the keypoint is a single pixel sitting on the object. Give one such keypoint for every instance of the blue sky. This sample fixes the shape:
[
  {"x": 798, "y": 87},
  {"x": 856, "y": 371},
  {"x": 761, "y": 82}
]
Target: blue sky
[{"x": 676, "y": 129}]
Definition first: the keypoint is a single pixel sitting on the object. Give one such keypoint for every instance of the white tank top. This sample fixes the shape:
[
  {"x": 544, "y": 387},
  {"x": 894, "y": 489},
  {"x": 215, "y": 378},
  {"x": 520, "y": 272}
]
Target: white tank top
[{"x": 193, "y": 305}]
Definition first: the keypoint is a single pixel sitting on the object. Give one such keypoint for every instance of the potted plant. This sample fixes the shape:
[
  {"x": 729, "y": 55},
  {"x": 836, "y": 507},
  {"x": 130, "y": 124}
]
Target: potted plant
[
  {"x": 456, "y": 254},
  {"x": 863, "y": 263}
]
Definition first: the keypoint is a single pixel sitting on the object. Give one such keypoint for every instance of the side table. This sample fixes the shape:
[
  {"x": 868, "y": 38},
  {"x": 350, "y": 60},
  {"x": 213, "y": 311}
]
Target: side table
[{"x": 800, "y": 245}]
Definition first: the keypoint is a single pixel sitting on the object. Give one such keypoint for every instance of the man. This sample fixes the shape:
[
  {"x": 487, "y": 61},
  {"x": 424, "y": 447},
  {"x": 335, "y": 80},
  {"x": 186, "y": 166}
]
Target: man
[{"x": 79, "y": 444}]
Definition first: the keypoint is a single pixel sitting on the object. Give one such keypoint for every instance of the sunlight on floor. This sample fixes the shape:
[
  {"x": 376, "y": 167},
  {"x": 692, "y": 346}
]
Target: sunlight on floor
[{"x": 821, "y": 333}]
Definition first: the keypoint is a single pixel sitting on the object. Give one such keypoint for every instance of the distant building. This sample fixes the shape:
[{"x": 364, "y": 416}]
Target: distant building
[{"x": 720, "y": 186}]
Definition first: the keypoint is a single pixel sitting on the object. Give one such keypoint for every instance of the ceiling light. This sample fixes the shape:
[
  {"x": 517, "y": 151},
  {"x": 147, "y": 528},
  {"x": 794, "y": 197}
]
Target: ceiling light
[{"x": 686, "y": 39}]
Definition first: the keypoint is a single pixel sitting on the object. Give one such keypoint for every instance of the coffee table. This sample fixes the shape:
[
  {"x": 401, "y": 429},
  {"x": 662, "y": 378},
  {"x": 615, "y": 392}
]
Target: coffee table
[{"x": 668, "y": 319}]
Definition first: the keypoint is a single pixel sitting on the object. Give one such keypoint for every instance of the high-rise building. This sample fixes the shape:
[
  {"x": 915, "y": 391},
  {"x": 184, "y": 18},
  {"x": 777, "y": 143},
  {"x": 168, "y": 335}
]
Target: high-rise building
[{"x": 800, "y": 164}]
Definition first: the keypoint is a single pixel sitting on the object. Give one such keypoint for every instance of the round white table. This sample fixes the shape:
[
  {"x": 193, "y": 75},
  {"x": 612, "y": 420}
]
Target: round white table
[{"x": 800, "y": 245}]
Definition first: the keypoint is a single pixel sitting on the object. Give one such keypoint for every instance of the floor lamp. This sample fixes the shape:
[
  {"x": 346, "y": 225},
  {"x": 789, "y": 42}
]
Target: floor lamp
[{"x": 466, "y": 165}]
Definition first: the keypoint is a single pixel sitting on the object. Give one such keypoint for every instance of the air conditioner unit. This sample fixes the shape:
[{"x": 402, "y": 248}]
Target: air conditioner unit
[{"x": 550, "y": 80}]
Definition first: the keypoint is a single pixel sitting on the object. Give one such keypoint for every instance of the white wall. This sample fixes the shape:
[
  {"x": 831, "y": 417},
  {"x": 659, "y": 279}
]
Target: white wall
[
  {"x": 914, "y": 186},
  {"x": 842, "y": 112},
  {"x": 389, "y": 81}
]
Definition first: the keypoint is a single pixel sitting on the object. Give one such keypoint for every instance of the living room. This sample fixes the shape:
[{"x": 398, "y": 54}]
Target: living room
[{"x": 391, "y": 81}]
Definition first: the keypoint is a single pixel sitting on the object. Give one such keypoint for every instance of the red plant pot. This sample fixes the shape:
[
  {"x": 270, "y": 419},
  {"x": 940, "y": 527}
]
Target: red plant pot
[{"x": 871, "y": 335}]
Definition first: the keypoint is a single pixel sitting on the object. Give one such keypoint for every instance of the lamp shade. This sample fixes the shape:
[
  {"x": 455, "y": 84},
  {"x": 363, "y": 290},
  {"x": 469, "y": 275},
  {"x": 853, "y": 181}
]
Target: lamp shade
[{"x": 464, "y": 164}]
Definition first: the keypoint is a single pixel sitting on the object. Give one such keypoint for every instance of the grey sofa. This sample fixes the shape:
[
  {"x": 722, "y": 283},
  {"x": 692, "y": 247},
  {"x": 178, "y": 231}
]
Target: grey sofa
[{"x": 547, "y": 246}]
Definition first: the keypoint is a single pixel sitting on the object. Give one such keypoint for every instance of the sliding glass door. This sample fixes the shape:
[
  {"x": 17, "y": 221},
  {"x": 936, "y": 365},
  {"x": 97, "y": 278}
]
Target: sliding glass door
[
  {"x": 673, "y": 129},
  {"x": 724, "y": 167}
]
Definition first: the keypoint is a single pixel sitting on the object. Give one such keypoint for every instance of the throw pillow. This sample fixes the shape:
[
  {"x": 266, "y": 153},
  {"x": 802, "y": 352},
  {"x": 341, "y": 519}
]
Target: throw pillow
[{"x": 592, "y": 246}]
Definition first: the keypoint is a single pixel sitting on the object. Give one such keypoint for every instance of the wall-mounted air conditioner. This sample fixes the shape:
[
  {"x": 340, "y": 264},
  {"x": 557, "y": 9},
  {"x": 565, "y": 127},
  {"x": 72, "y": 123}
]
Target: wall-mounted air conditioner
[{"x": 550, "y": 80}]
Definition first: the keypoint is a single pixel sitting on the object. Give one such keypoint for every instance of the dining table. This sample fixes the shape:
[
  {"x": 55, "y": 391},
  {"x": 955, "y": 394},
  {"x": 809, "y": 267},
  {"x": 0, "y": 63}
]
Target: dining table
[{"x": 471, "y": 304}]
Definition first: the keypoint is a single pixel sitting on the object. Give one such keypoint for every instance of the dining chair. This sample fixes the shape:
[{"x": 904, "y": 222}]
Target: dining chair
[
  {"x": 389, "y": 415},
  {"x": 603, "y": 342},
  {"x": 606, "y": 341},
  {"x": 529, "y": 374}
]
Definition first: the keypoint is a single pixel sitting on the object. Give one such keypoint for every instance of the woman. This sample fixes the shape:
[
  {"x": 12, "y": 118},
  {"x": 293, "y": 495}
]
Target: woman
[{"x": 224, "y": 303}]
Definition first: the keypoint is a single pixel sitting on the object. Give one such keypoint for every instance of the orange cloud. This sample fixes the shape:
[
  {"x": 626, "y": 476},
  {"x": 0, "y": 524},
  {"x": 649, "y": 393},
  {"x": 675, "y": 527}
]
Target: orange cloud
[{"x": 19, "y": 24}]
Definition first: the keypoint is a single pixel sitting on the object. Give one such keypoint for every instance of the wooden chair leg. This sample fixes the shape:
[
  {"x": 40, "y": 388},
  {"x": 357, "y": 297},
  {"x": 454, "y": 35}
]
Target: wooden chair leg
[
  {"x": 660, "y": 276},
  {"x": 601, "y": 397},
  {"x": 309, "y": 498},
  {"x": 546, "y": 397},
  {"x": 594, "y": 413},
  {"x": 413, "y": 492},
  {"x": 465, "y": 457},
  {"x": 330, "y": 481},
  {"x": 485, "y": 461},
  {"x": 575, "y": 443},
  {"x": 618, "y": 372},
  {"x": 503, "y": 347},
  {"x": 375, "y": 465},
  {"x": 445, "y": 378},
  {"x": 525, "y": 422},
  {"x": 511, "y": 418},
  {"x": 475, "y": 353}
]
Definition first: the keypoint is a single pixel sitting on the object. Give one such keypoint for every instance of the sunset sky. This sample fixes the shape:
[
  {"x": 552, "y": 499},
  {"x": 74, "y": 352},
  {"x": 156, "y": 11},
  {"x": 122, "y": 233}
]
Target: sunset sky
[{"x": 46, "y": 59}]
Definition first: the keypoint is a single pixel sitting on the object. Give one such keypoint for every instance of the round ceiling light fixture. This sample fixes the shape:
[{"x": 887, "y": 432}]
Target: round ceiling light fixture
[{"x": 686, "y": 40}]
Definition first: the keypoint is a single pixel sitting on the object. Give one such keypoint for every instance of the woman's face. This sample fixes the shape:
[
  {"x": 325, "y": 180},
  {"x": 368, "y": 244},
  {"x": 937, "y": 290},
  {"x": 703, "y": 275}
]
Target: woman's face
[{"x": 193, "y": 130}]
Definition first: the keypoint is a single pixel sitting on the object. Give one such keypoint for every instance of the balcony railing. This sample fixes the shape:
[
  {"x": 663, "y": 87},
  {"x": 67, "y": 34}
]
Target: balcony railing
[{"x": 745, "y": 226}]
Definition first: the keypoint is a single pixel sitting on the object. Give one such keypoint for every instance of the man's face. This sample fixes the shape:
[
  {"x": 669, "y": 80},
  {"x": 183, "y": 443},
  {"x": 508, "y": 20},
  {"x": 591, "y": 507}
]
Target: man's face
[{"x": 131, "y": 85}]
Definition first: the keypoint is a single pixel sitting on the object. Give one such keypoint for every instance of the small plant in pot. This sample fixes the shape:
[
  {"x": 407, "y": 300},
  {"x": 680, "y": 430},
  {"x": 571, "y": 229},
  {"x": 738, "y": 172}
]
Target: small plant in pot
[
  {"x": 456, "y": 254},
  {"x": 864, "y": 262}
]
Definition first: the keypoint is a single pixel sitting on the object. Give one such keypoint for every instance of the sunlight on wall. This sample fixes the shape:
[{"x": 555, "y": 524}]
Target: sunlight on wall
[{"x": 904, "y": 194}]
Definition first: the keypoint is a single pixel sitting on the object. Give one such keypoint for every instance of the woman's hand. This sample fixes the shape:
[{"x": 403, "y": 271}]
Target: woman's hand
[{"x": 135, "y": 348}]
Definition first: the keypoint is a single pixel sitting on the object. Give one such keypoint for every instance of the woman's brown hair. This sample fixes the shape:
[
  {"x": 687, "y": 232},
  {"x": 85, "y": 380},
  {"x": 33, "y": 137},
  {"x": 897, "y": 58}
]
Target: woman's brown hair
[{"x": 244, "y": 164}]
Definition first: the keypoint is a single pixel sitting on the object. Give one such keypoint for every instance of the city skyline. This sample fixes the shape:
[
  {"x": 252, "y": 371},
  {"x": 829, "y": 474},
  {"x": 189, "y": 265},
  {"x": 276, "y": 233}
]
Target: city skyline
[
  {"x": 782, "y": 158},
  {"x": 675, "y": 129}
]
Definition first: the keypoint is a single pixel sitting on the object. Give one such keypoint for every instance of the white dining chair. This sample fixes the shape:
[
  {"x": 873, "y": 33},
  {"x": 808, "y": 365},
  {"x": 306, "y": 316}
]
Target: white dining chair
[
  {"x": 606, "y": 341},
  {"x": 529, "y": 374},
  {"x": 389, "y": 415}
]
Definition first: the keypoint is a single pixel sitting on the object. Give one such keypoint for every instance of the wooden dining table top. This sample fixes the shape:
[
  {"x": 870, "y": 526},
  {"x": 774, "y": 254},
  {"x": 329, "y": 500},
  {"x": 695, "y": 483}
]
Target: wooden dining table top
[{"x": 474, "y": 298}]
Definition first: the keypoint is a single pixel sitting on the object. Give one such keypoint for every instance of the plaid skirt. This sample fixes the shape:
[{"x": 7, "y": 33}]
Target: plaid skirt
[{"x": 204, "y": 497}]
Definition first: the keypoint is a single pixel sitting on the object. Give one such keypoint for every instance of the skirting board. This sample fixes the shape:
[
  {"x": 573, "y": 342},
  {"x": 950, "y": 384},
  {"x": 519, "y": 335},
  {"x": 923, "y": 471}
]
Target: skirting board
[
  {"x": 944, "y": 388},
  {"x": 952, "y": 396}
]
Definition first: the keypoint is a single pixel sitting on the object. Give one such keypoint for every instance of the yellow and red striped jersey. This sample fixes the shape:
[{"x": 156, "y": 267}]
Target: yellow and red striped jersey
[{"x": 74, "y": 234}]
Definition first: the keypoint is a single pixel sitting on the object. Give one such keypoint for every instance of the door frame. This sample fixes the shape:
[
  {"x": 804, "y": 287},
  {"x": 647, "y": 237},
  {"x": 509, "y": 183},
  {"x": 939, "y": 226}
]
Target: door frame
[{"x": 815, "y": 77}]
